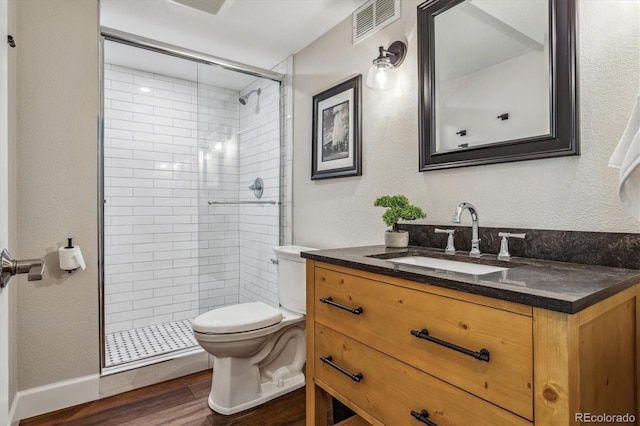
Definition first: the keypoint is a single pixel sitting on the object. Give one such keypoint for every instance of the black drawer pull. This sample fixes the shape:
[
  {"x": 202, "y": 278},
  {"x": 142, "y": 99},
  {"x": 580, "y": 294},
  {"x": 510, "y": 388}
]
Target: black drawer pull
[
  {"x": 354, "y": 377},
  {"x": 483, "y": 355},
  {"x": 423, "y": 416},
  {"x": 329, "y": 301}
]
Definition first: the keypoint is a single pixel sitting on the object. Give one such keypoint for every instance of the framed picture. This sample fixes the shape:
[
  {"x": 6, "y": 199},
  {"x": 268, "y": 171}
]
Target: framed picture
[{"x": 336, "y": 140}]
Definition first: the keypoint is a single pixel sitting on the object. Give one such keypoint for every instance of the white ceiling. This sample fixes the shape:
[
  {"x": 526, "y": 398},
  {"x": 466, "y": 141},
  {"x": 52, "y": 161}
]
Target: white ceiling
[{"x": 260, "y": 33}]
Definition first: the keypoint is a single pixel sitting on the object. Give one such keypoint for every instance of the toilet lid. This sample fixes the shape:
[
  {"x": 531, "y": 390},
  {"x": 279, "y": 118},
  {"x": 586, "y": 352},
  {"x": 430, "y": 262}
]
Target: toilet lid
[{"x": 237, "y": 318}]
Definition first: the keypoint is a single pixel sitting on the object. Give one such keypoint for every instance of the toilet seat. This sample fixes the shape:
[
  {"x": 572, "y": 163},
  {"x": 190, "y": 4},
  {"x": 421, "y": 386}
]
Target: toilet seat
[{"x": 237, "y": 319}]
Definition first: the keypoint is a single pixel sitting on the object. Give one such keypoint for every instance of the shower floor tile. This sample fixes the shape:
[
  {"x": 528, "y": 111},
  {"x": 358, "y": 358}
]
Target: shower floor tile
[{"x": 133, "y": 345}]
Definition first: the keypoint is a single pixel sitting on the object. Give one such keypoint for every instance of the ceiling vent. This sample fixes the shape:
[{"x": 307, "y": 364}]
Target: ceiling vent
[{"x": 373, "y": 16}]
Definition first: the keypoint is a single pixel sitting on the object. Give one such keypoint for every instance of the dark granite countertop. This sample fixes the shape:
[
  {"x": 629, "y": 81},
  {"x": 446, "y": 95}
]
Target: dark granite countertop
[{"x": 557, "y": 286}]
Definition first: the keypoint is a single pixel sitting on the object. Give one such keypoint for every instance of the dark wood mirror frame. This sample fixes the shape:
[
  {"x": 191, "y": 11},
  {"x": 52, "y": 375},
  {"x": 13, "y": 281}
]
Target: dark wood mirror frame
[{"x": 563, "y": 139}]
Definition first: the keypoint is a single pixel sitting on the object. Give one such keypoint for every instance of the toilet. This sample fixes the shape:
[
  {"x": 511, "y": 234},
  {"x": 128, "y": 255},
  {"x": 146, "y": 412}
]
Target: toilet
[{"x": 259, "y": 351}]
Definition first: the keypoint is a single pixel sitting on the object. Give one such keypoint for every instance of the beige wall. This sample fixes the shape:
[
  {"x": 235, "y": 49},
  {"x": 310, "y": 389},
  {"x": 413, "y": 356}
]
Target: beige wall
[
  {"x": 58, "y": 98},
  {"x": 576, "y": 193}
]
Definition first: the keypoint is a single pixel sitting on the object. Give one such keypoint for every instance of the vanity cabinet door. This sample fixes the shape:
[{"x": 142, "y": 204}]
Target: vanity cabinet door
[
  {"x": 483, "y": 350},
  {"x": 390, "y": 390}
]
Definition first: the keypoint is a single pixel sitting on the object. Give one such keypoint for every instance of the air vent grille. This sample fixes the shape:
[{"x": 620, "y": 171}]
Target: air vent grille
[
  {"x": 364, "y": 19},
  {"x": 372, "y": 16},
  {"x": 385, "y": 9}
]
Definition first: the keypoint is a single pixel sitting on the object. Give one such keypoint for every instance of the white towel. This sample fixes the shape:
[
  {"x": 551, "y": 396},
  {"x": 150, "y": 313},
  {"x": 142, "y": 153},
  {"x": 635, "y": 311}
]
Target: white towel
[{"x": 626, "y": 157}]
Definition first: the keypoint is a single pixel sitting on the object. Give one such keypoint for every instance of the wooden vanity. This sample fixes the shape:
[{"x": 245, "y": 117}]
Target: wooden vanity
[{"x": 401, "y": 352}]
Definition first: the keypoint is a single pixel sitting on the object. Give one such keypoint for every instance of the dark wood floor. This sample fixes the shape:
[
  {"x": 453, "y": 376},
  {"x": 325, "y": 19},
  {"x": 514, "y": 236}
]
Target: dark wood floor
[{"x": 181, "y": 401}]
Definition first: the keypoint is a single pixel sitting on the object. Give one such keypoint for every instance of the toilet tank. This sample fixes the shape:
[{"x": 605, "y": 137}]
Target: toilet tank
[{"x": 292, "y": 274}]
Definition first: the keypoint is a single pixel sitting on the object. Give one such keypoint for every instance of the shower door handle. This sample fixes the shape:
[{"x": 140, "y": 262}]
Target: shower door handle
[{"x": 10, "y": 267}]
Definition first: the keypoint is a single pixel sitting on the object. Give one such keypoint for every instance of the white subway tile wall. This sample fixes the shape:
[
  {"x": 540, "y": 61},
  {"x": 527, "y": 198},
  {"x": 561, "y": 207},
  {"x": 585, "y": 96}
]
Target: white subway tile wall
[
  {"x": 259, "y": 225},
  {"x": 286, "y": 151},
  {"x": 218, "y": 180},
  {"x": 168, "y": 150}
]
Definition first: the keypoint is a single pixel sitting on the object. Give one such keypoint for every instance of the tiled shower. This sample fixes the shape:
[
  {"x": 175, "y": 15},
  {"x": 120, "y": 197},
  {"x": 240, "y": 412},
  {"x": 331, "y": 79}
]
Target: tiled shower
[{"x": 171, "y": 145}]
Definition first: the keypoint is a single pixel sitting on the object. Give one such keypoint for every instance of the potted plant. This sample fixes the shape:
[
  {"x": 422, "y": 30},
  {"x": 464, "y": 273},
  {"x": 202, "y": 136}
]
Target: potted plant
[{"x": 398, "y": 208}]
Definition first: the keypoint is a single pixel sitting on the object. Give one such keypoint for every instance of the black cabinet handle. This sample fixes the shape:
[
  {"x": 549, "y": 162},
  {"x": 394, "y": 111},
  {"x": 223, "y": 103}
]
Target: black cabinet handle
[
  {"x": 355, "y": 377},
  {"x": 483, "y": 355},
  {"x": 329, "y": 301},
  {"x": 423, "y": 416}
]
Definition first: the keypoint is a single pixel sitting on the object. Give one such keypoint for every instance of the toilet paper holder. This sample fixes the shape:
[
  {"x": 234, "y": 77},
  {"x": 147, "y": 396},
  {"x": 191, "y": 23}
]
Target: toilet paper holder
[{"x": 71, "y": 257}]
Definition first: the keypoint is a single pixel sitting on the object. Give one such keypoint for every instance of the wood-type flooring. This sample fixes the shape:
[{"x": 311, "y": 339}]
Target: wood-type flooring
[{"x": 181, "y": 402}]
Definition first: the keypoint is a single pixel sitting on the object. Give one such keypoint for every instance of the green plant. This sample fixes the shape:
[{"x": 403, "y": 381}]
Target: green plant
[{"x": 398, "y": 207}]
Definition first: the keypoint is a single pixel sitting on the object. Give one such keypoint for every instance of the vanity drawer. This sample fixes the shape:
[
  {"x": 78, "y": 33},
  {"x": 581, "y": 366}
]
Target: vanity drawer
[
  {"x": 390, "y": 390},
  {"x": 390, "y": 313}
]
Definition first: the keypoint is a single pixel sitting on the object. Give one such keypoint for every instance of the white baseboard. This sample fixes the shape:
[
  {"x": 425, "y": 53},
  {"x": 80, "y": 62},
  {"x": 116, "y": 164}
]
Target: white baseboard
[
  {"x": 67, "y": 393},
  {"x": 13, "y": 420},
  {"x": 55, "y": 396}
]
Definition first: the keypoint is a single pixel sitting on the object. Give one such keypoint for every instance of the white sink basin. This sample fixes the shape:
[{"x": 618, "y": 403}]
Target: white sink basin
[{"x": 448, "y": 265}]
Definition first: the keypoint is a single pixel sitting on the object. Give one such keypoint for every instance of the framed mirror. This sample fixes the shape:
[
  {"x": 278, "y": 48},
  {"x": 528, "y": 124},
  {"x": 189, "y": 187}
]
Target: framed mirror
[{"x": 497, "y": 81}]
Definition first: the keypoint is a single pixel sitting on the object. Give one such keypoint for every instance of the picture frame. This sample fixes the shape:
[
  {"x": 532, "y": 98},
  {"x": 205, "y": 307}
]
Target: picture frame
[{"x": 337, "y": 130}]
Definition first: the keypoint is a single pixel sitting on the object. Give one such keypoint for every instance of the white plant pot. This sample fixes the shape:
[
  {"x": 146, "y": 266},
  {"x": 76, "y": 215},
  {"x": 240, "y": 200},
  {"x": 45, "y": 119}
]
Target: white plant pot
[{"x": 396, "y": 239}]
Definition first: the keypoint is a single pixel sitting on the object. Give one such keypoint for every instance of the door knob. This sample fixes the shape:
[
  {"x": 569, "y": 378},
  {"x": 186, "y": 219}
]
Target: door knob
[{"x": 34, "y": 268}]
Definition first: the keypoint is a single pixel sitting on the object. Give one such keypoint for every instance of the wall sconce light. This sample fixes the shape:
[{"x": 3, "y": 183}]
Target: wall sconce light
[{"x": 382, "y": 74}]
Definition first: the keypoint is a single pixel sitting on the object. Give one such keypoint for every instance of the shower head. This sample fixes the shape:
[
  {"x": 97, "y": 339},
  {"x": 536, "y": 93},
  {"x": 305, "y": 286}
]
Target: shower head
[{"x": 243, "y": 99}]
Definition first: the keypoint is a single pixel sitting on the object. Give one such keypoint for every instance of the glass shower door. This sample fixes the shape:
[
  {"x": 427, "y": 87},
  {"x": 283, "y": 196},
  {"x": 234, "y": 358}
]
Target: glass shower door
[
  {"x": 150, "y": 203},
  {"x": 240, "y": 187},
  {"x": 183, "y": 231}
]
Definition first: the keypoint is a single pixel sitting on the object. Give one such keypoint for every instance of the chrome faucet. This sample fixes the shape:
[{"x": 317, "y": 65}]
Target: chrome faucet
[{"x": 475, "y": 241}]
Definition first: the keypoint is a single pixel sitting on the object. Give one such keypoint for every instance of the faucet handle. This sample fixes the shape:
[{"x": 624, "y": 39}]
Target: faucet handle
[
  {"x": 508, "y": 235},
  {"x": 444, "y": 231},
  {"x": 504, "y": 244},
  {"x": 450, "y": 247}
]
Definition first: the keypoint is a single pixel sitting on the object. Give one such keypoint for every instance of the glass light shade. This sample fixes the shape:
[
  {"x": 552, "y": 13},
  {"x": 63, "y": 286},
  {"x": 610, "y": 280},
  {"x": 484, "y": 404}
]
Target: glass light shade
[{"x": 382, "y": 75}]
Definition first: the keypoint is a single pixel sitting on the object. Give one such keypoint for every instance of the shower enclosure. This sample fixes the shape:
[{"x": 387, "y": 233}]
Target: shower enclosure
[{"x": 192, "y": 193}]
